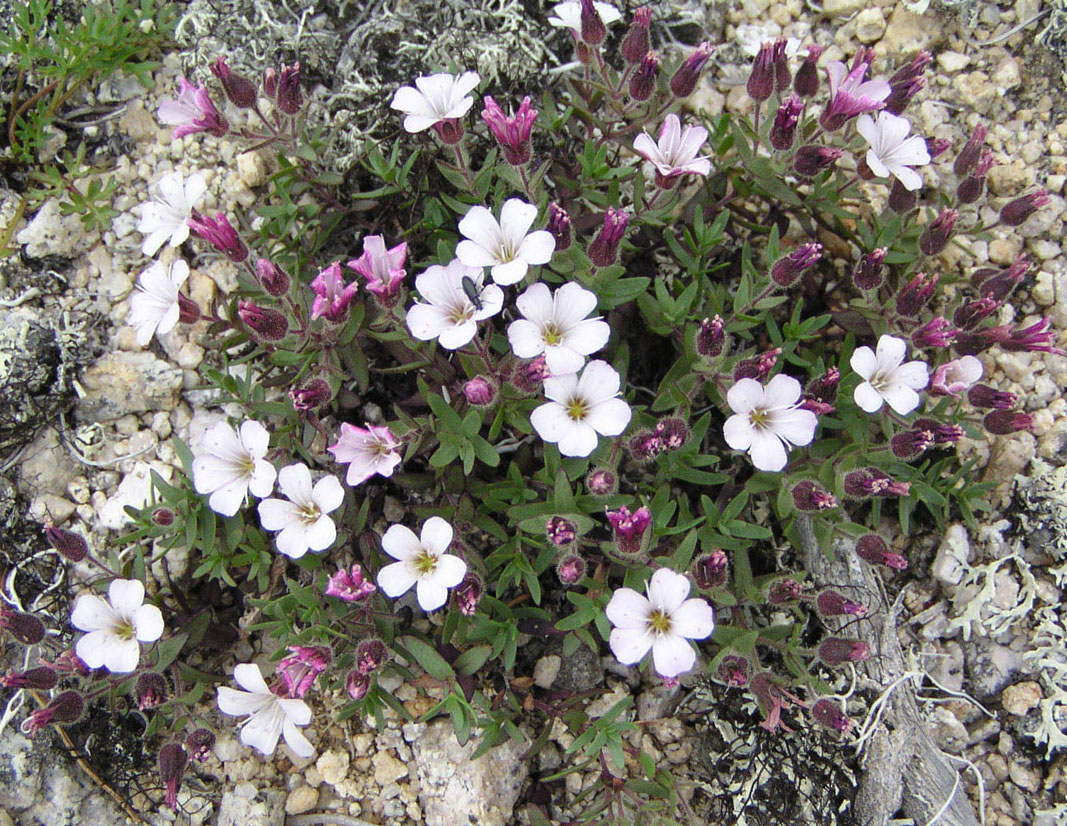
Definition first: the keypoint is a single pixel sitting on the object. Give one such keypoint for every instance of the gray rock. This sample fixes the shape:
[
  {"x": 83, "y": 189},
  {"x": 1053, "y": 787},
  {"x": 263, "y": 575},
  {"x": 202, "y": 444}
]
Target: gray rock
[
  {"x": 135, "y": 491},
  {"x": 455, "y": 790},
  {"x": 30, "y": 391},
  {"x": 580, "y": 671},
  {"x": 248, "y": 805},
  {"x": 990, "y": 666},
  {"x": 122, "y": 382},
  {"x": 52, "y": 233},
  {"x": 950, "y": 564},
  {"x": 47, "y": 467}
]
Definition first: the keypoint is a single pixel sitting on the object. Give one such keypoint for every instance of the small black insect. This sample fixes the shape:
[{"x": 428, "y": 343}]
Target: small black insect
[{"x": 472, "y": 291}]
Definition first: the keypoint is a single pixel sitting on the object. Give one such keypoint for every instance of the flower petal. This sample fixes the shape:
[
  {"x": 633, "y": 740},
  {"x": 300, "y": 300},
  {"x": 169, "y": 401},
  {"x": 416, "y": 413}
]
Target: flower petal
[
  {"x": 148, "y": 623},
  {"x": 901, "y": 398},
  {"x": 525, "y": 338},
  {"x": 450, "y": 570},
  {"x": 609, "y": 418},
  {"x": 672, "y": 655},
  {"x": 667, "y": 590},
  {"x": 891, "y": 351},
  {"x": 436, "y": 535},
  {"x": 250, "y": 678},
  {"x": 694, "y": 619},
  {"x": 868, "y": 399},
  {"x": 92, "y": 613},
  {"x": 767, "y": 451},
  {"x": 430, "y": 594},
  {"x": 396, "y": 579},
  {"x": 628, "y": 609},
  {"x": 745, "y": 395},
  {"x": 93, "y": 647},
  {"x": 125, "y": 596},
  {"x": 629, "y": 645},
  {"x": 738, "y": 431},
  {"x": 121, "y": 656},
  {"x": 295, "y": 740},
  {"x": 237, "y": 703},
  {"x": 864, "y": 362},
  {"x": 401, "y": 543}
]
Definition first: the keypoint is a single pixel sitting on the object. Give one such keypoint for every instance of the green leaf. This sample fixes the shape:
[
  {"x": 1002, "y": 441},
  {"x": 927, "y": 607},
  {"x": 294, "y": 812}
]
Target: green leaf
[
  {"x": 428, "y": 659},
  {"x": 472, "y": 659}
]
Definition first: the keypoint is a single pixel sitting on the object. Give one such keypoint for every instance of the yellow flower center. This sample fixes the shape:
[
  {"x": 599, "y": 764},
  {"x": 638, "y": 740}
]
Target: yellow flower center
[
  {"x": 577, "y": 409},
  {"x": 659, "y": 622},
  {"x": 552, "y": 334},
  {"x": 425, "y": 563},
  {"x": 758, "y": 417},
  {"x": 124, "y": 630},
  {"x": 310, "y": 513}
]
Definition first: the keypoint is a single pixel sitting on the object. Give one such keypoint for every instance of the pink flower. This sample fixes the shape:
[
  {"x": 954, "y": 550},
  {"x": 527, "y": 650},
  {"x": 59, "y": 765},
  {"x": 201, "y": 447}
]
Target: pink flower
[
  {"x": 299, "y": 670},
  {"x": 675, "y": 154},
  {"x": 383, "y": 269},
  {"x": 367, "y": 451},
  {"x": 956, "y": 377},
  {"x": 350, "y": 585},
  {"x": 332, "y": 295},
  {"x": 850, "y": 95},
  {"x": 192, "y": 112},
  {"x": 513, "y": 134}
]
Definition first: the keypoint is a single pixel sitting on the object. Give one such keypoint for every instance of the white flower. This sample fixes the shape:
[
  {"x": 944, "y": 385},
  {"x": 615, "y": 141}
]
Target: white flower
[
  {"x": 887, "y": 378},
  {"x": 269, "y": 716},
  {"x": 767, "y": 420},
  {"x": 676, "y": 152},
  {"x": 508, "y": 247},
  {"x": 154, "y": 307},
  {"x": 892, "y": 152},
  {"x": 956, "y": 377},
  {"x": 569, "y": 15},
  {"x": 367, "y": 451},
  {"x": 164, "y": 219},
  {"x": 116, "y": 626},
  {"x": 303, "y": 520},
  {"x": 451, "y": 315},
  {"x": 557, "y": 326},
  {"x": 580, "y": 408},
  {"x": 232, "y": 465},
  {"x": 437, "y": 97},
  {"x": 664, "y": 621},
  {"x": 422, "y": 563}
]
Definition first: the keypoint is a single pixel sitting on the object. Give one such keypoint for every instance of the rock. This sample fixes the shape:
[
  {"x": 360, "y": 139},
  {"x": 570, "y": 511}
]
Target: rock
[
  {"x": 53, "y": 233},
  {"x": 301, "y": 799},
  {"x": 580, "y": 671},
  {"x": 546, "y": 670},
  {"x": 870, "y": 25},
  {"x": 119, "y": 383},
  {"x": 248, "y": 805},
  {"x": 1021, "y": 698},
  {"x": 29, "y": 359},
  {"x": 842, "y": 8},
  {"x": 906, "y": 33},
  {"x": 456, "y": 790},
  {"x": 1038, "y": 224},
  {"x": 953, "y": 62},
  {"x": 1007, "y": 75},
  {"x": 332, "y": 766},
  {"x": 134, "y": 491},
  {"x": 950, "y": 564},
  {"x": 48, "y": 467},
  {"x": 387, "y": 769},
  {"x": 975, "y": 90},
  {"x": 990, "y": 666},
  {"x": 947, "y": 731}
]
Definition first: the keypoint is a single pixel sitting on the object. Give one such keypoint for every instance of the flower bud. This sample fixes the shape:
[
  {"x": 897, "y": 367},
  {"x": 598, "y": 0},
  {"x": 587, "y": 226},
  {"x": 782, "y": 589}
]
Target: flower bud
[
  {"x": 999, "y": 284},
  {"x": 867, "y": 482},
  {"x": 942, "y": 434},
  {"x": 834, "y": 651},
  {"x": 937, "y": 146},
  {"x": 644, "y": 446},
  {"x": 812, "y": 498},
  {"x": 635, "y": 45},
  {"x": 481, "y": 391},
  {"x": 529, "y": 376},
  {"x": 314, "y": 393},
  {"x": 672, "y": 433},
  {"x": 806, "y": 81},
  {"x": 271, "y": 277},
  {"x": 832, "y": 604},
  {"x": 782, "y": 76},
  {"x": 937, "y": 333},
  {"x": 570, "y": 569},
  {"x": 1005, "y": 422},
  {"x": 150, "y": 690},
  {"x": 371, "y": 654},
  {"x": 239, "y": 90},
  {"x": 41, "y": 678},
  {"x": 559, "y": 224},
  {"x": 710, "y": 570},
  {"x": 711, "y": 337},
  {"x": 1015, "y": 212},
  {"x": 982, "y": 396},
  {"x": 643, "y": 81},
  {"x": 784, "y": 591},
  {"x": 936, "y": 236},
  {"x": 64, "y": 709},
  {"x": 511, "y": 133},
  {"x": 561, "y": 531},
  {"x": 811, "y": 159},
  {"x": 265, "y": 324},
  {"x": 357, "y": 684},
  {"x": 270, "y": 82},
  {"x": 70, "y": 545},
  {"x": 733, "y": 670},
  {"x": 593, "y": 29},
  {"x": 787, "y": 269},
  {"x": 219, "y": 232},
  {"x": 449, "y": 131},
  {"x": 971, "y": 153},
  {"x": 870, "y": 271},
  {"x": 901, "y": 199},
  {"x": 760, "y": 84},
  {"x": 350, "y": 586},
  {"x": 916, "y": 294},
  {"x": 200, "y": 743},
  {"x": 70, "y": 663},
  {"x": 786, "y": 119},
  {"x": 970, "y": 188},
  {"x": 685, "y": 79},
  {"x": 188, "y": 310},
  {"x": 290, "y": 98},
  {"x": 820, "y": 395},
  {"x": 873, "y": 549},
  {"x": 910, "y": 444},
  {"x": 630, "y": 528},
  {"x": 1037, "y": 338},
  {"x": 25, "y": 628},
  {"x": 828, "y": 713},
  {"x": 601, "y": 481},
  {"x": 758, "y": 366},
  {"x": 300, "y": 669},
  {"x": 172, "y": 762},
  {"x": 469, "y": 593},
  {"x": 604, "y": 248}
]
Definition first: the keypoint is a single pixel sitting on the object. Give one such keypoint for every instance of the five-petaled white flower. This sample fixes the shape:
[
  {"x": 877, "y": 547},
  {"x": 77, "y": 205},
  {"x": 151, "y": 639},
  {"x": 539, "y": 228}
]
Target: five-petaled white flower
[
  {"x": 367, "y": 451},
  {"x": 676, "y": 152},
  {"x": 892, "y": 152},
  {"x": 166, "y": 218},
  {"x": 423, "y": 562},
  {"x": 557, "y": 326},
  {"x": 154, "y": 307},
  {"x": 116, "y": 626},
  {"x": 887, "y": 379},
  {"x": 269, "y": 716},
  {"x": 451, "y": 313},
  {"x": 580, "y": 407},
  {"x": 767, "y": 420},
  {"x": 507, "y": 247},
  {"x": 232, "y": 464},
  {"x": 303, "y": 520},
  {"x": 664, "y": 621},
  {"x": 568, "y": 15},
  {"x": 435, "y": 98}
]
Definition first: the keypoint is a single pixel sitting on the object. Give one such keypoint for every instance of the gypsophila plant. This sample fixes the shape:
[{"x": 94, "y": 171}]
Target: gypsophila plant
[{"x": 605, "y": 353}]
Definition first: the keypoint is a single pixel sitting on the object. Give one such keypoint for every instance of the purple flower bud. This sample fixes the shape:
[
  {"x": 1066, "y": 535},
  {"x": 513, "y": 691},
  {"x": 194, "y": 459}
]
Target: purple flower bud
[
  {"x": 481, "y": 391},
  {"x": 643, "y": 81},
  {"x": 290, "y": 98},
  {"x": 529, "y": 376},
  {"x": 733, "y": 670},
  {"x": 635, "y": 45},
  {"x": 41, "y": 678},
  {"x": 970, "y": 188},
  {"x": 239, "y": 90},
  {"x": 1005, "y": 422},
  {"x": 758, "y": 366},
  {"x": 449, "y": 131},
  {"x": 983, "y": 396},
  {"x": 914, "y": 68},
  {"x": 973, "y": 313},
  {"x": 864, "y": 57},
  {"x": 559, "y": 224},
  {"x": 873, "y": 549},
  {"x": 938, "y": 232},
  {"x": 512, "y": 133},
  {"x": 867, "y": 482},
  {"x": 785, "y": 123},
  {"x": 310, "y": 395},
  {"x": 270, "y": 82},
  {"x": 901, "y": 199},
  {"x": 916, "y": 294},
  {"x": 787, "y": 269},
  {"x": 806, "y": 82},
  {"x": 760, "y": 85},
  {"x": 937, "y": 146},
  {"x": 811, "y": 159},
  {"x": 902, "y": 93},
  {"x": 561, "y": 531},
  {"x": 910, "y": 444},
  {"x": 25, "y": 628},
  {"x": 672, "y": 432},
  {"x": 172, "y": 762},
  {"x": 371, "y": 654},
  {"x": 70, "y": 545},
  {"x": 999, "y": 284},
  {"x": 644, "y": 445},
  {"x": 357, "y": 684},
  {"x": 64, "y": 709},
  {"x": 604, "y": 249},
  {"x": 200, "y": 742},
  {"x": 593, "y": 29},
  {"x": 266, "y": 324},
  {"x": 971, "y": 153},
  {"x": 219, "y": 232},
  {"x": 835, "y": 651},
  {"x": 943, "y": 434},
  {"x": 810, "y": 497},
  {"x": 828, "y": 713},
  {"x": 832, "y": 604},
  {"x": 630, "y": 529},
  {"x": 150, "y": 690},
  {"x": 300, "y": 669},
  {"x": 601, "y": 481},
  {"x": 685, "y": 79},
  {"x": 937, "y": 333},
  {"x": 350, "y": 585},
  {"x": 1037, "y": 338},
  {"x": 782, "y": 76},
  {"x": 271, "y": 277},
  {"x": 188, "y": 310},
  {"x": 711, "y": 337},
  {"x": 1015, "y": 212},
  {"x": 469, "y": 593},
  {"x": 784, "y": 591},
  {"x": 870, "y": 271},
  {"x": 710, "y": 570},
  {"x": 570, "y": 569}
]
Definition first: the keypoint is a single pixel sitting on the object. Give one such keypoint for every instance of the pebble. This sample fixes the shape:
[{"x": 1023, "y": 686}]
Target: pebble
[
  {"x": 950, "y": 564},
  {"x": 953, "y": 62},
  {"x": 387, "y": 769},
  {"x": 1021, "y": 698},
  {"x": 332, "y": 766},
  {"x": 546, "y": 670},
  {"x": 302, "y": 799},
  {"x": 870, "y": 25}
]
